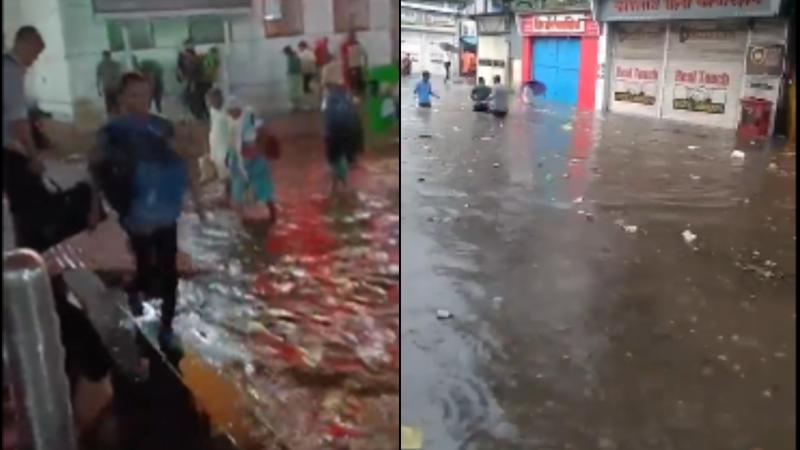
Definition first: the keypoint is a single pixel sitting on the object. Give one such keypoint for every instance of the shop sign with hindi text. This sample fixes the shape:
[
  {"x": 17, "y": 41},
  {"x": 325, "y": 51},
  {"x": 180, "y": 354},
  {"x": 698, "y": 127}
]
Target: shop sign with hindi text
[{"x": 642, "y": 10}]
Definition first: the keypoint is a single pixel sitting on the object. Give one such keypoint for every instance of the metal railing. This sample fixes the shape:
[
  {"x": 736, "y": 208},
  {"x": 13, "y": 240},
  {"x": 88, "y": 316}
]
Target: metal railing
[{"x": 33, "y": 354}]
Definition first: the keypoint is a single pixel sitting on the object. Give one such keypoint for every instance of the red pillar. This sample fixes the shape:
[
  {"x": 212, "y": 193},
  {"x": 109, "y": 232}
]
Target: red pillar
[
  {"x": 588, "y": 72},
  {"x": 527, "y": 58}
]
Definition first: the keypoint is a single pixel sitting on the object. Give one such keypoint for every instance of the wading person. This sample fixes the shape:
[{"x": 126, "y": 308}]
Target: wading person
[
  {"x": 249, "y": 167},
  {"x": 154, "y": 73},
  {"x": 109, "y": 73},
  {"x": 479, "y": 96},
  {"x": 308, "y": 69},
  {"x": 218, "y": 134},
  {"x": 138, "y": 171},
  {"x": 498, "y": 100},
  {"x": 342, "y": 125},
  {"x": 42, "y": 220},
  {"x": 424, "y": 91},
  {"x": 355, "y": 59},
  {"x": 294, "y": 76}
]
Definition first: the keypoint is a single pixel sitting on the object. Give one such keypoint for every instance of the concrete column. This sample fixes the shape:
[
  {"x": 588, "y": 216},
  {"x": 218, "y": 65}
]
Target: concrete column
[
  {"x": 226, "y": 54},
  {"x": 126, "y": 40}
]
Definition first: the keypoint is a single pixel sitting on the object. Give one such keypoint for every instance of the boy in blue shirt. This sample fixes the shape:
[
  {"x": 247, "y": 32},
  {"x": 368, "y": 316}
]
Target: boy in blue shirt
[
  {"x": 424, "y": 91},
  {"x": 138, "y": 171}
]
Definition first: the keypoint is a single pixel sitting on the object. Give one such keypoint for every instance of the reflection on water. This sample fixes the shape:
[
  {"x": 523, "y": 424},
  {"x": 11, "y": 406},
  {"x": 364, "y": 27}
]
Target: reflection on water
[
  {"x": 294, "y": 326},
  {"x": 570, "y": 331}
]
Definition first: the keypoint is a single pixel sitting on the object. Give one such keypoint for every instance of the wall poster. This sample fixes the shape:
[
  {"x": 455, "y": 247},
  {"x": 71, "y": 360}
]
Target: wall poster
[
  {"x": 636, "y": 84},
  {"x": 701, "y": 91}
]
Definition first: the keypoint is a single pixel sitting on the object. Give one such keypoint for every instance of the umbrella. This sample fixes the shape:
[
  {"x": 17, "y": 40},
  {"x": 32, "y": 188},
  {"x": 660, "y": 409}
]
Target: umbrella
[{"x": 448, "y": 47}]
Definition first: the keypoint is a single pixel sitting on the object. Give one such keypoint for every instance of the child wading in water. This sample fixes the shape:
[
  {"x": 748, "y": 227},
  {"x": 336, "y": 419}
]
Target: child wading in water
[
  {"x": 424, "y": 91},
  {"x": 343, "y": 132},
  {"x": 247, "y": 163}
]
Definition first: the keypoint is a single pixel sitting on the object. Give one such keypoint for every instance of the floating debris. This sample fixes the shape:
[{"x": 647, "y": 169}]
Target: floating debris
[
  {"x": 411, "y": 438},
  {"x": 443, "y": 314},
  {"x": 630, "y": 229}
]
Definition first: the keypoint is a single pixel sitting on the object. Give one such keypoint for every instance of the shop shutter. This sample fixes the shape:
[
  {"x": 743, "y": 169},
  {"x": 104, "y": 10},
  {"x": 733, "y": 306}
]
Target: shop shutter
[
  {"x": 411, "y": 43},
  {"x": 704, "y": 72},
  {"x": 636, "y": 78}
]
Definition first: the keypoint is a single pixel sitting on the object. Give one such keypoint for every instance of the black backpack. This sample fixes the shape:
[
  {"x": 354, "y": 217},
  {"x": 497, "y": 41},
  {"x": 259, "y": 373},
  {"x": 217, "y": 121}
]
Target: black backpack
[{"x": 113, "y": 168}]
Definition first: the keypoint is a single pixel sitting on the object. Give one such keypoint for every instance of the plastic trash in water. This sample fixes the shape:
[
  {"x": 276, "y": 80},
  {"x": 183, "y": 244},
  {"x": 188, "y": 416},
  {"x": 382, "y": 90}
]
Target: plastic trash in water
[
  {"x": 630, "y": 229},
  {"x": 567, "y": 127},
  {"x": 411, "y": 438},
  {"x": 737, "y": 155},
  {"x": 443, "y": 314},
  {"x": 688, "y": 236}
]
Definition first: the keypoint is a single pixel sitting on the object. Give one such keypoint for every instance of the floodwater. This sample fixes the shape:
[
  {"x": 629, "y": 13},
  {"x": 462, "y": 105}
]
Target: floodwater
[
  {"x": 583, "y": 315},
  {"x": 291, "y": 331}
]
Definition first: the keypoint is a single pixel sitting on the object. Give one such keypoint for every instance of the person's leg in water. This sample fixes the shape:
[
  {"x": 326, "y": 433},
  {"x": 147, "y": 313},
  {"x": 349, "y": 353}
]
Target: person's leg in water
[
  {"x": 88, "y": 363},
  {"x": 166, "y": 265},
  {"x": 263, "y": 186},
  {"x": 143, "y": 253},
  {"x": 337, "y": 160},
  {"x": 158, "y": 94},
  {"x": 355, "y": 143},
  {"x": 500, "y": 114},
  {"x": 239, "y": 184}
]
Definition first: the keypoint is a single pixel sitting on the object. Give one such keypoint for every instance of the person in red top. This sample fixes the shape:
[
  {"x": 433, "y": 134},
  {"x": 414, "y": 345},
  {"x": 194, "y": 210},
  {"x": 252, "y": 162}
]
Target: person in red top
[
  {"x": 321, "y": 53},
  {"x": 354, "y": 62}
]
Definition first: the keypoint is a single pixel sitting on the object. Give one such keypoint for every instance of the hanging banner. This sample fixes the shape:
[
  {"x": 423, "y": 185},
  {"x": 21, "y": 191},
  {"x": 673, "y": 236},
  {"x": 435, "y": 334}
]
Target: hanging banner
[{"x": 641, "y": 10}]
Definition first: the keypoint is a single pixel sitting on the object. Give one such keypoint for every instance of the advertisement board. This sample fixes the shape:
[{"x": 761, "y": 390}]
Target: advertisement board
[{"x": 643, "y": 10}]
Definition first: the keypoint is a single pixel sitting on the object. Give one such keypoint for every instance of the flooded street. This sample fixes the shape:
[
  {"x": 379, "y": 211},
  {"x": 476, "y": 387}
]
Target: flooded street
[
  {"x": 571, "y": 281},
  {"x": 291, "y": 331}
]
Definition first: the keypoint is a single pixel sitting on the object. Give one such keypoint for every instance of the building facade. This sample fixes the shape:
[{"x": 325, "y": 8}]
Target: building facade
[
  {"x": 429, "y": 34},
  {"x": 561, "y": 51},
  {"x": 693, "y": 60},
  {"x": 249, "y": 33}
]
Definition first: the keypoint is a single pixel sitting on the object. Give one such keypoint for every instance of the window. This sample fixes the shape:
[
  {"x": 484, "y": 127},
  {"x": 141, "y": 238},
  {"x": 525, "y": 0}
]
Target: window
[
  {"x": 285, "y": 20},
  {"x": 273, "y": 10},
  {"x": 350, "y": 15},
  {"x": 208, "y": 30},
  {"x": 140, "y": 35},
  {"x": 116, "y": 43}
]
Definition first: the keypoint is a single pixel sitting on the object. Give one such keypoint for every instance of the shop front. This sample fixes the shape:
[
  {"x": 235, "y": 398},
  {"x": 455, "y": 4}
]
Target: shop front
[
  {"x": 560, "y": 51},
  {"x": 694, "y": 60},
  {"x": 425, "y": 37}
]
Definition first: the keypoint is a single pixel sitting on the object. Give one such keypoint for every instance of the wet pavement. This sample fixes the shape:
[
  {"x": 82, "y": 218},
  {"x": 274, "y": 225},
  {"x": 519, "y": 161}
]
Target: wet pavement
[
  {"x": 583, "y": 314},
  {"x": 290, "y": 332},
  {"x": 294, "y": 327}
]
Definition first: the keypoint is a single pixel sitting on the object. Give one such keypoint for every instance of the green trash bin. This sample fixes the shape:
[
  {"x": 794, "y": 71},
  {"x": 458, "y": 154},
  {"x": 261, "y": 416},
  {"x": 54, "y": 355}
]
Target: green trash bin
[{"x": 382, "y": 84}]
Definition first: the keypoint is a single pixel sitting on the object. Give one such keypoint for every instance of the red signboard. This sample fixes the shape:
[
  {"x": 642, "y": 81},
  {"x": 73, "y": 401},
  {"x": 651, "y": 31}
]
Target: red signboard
[{"x": 557, "y": 25}]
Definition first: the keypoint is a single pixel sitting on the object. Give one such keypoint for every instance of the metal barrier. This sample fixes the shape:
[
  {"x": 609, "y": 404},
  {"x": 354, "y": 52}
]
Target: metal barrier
[{"x": 32, "y": 344}]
